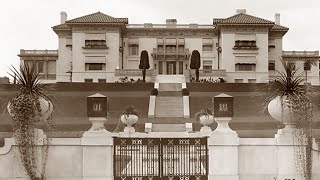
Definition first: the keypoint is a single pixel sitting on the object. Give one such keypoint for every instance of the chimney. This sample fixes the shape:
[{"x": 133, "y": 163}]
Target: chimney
[
  {"x": 63, "y": 17},
  {"x": 277, "y": 18},
  {"x": 171, "y": 22},
  {"x": 243, "y": 11}
]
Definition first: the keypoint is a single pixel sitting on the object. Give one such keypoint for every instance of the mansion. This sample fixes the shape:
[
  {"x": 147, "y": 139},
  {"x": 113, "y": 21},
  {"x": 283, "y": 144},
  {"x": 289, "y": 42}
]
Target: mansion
[{"x": 99, "y": 48}]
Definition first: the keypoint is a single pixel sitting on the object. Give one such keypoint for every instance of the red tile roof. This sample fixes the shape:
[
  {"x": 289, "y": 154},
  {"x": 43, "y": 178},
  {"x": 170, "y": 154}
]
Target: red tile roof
[
  {"x": 279, "y": 28},
  {"x": 61, "y": 27},
  {"x": 97, "y": 17},
  {"x": 243, "y": 19}
]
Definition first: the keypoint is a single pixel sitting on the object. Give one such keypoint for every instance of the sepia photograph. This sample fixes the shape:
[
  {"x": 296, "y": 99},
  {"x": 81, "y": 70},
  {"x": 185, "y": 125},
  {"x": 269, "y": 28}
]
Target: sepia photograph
[{"x": 160, "y": 90}]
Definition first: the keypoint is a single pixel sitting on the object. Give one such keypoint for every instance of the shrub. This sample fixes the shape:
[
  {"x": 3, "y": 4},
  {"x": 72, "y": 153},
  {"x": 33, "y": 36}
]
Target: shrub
[
  {"x": 185, "y": 92},
  {"x": 154, "y": 92},
  {"x": 130, "y": 110}
]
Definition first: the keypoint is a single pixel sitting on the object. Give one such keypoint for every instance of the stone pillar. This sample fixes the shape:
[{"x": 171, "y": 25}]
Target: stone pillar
[
  {"x": 97, "y": 157},
  {"x": 223, "y": 142},
  {"x": 97, "y": 142}
]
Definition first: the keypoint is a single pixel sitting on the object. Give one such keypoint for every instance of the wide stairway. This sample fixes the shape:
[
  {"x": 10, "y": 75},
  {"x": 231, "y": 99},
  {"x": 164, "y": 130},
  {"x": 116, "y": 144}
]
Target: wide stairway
[
  {"x": 169, "y": 115},
  {"x": 169, "y": 100}
]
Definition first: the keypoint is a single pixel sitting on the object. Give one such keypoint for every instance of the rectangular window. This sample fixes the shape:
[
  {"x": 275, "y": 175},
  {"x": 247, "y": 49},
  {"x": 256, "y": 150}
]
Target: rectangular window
[
  {"x": 181, "y": 48},
  {"x": 160, "y": 41},
  {"x": 88, "y": 80},
  {"x": 251, "y": 80},
  {"x": 245, "y": 44},
  {"x": 207, "y": 44},
  {"x": 160, "y": 67},
  {"x": 245, "y": 67},
  {"x": 102, "y": 80},
  {"x": 171, "y": 48},
  {"x": 160, "y": 48},
  {"x": 207, "y": 48},
  {"x": 238, "y": 80},
  {"x": 307, "y": 66},
  {"x": 171, "y": 41},
  {"x": 29, "y": 63},
  {"x": 94, "y": 66},
  {"x": 271, "y": 65},
  {"x": 207, "y": 69},
  {"x": 99, "y": 44},
  {"x": 133, "y": 49},
  {"x": 40, "y": 66},
  {"x": 180, "y": 67}
]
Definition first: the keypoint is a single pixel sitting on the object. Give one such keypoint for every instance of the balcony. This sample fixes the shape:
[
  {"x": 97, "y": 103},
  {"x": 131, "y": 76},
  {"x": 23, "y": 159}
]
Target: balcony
[
  {"x": 34, "y": 55},
  {"x": 170, "y": 53},
  {"x": 245, "y": 45},
  {"x": 45, "y": 52},
  {"x": 301, "y": 55},
  {"x": 203, "y": 73},
  {"x": 95, "y": 44},
  {"x": 133, "y": 72}
]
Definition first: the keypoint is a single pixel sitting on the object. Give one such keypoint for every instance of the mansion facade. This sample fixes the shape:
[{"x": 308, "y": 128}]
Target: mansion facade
[{"x": 101, "y": 48}]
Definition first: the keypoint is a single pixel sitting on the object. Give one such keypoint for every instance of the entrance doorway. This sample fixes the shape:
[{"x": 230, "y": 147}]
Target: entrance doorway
[{"x": 171, "y": 67}]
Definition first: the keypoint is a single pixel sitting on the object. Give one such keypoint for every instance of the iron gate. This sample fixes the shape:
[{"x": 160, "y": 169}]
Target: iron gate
[{"x": 160, "y": 158}]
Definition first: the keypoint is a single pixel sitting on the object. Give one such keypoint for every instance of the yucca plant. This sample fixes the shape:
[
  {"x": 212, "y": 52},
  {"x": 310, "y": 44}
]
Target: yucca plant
[
  {"x": 29, "y": 109},
  {"x": 290, "y": 104}
]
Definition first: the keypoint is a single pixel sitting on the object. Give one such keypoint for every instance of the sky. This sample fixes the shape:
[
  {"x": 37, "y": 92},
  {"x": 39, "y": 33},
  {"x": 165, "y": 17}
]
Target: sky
[{"x": 26, "y": 24}]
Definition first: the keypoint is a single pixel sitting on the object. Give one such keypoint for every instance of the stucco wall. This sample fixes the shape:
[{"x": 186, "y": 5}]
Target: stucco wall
[{"x": 230, "y": 157}]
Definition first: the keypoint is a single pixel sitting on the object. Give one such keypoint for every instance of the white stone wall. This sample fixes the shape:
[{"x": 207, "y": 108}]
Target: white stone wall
[
  {"x": 228, "y": 55},
  {"x": 79, "y": 54},
  {"x": 230, "y": 157},
  {"x": 64, "y": 62}
]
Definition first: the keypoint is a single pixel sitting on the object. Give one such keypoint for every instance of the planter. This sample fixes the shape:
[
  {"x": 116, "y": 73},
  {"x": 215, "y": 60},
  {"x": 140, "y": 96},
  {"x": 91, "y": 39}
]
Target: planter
[
  {"x": 280, "y": 110},
  {"x": 46, "y": 110},
  {"x": 206, "y": 120},
  {"x": 129, "y": 119}
]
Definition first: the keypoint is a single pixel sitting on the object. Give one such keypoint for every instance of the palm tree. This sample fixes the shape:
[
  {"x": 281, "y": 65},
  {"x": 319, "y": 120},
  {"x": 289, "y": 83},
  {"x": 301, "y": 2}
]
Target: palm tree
[{"x": 29, "y": 109}]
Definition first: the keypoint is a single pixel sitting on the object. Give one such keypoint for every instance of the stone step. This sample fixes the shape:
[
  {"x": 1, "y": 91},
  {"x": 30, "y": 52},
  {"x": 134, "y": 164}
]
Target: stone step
[
  {"x": 170, "y": 93},
  {"x": 169, "y": 107},
  {"x": 170, "y": 79},
  {"x": 168, "y": 128},
  {"x": 170, "y": 87}
]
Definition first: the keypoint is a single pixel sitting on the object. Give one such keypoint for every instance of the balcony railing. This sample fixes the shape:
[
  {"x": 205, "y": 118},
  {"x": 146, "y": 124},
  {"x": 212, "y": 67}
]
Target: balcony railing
[
  {"x": 208, "y": 73},
  {"x": 300, "y": 53},
  {"x": 163, "y": 53},
  {"x": 38, "y": 52},
  {"x": 133, "y": 72}
]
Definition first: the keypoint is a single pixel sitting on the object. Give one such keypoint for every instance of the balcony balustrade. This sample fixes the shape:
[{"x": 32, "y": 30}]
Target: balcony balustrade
[
  {"x": 133, "y": 72},
  {"x": 163, "y": 53},
  {"x": 38, "y": 52},
  {"x": 207, "y": 73}
]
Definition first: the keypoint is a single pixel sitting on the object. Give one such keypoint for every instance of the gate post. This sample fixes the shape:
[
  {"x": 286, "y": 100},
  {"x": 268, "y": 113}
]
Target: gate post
[
  {"x": 223, "y": 142},
  {"x": 97, "y": 142}
]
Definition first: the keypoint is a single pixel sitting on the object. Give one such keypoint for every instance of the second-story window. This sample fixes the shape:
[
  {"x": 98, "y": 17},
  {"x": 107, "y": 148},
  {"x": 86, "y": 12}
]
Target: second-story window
[
  {"x": 207, "y": 44},
  {"x": 133, "y": 46},
  {"x": 171, "y": 45},
  {"x": 133, "y": 49},
  {"x": 245, "y": 41},
  {"x": 95, "y": 41}
]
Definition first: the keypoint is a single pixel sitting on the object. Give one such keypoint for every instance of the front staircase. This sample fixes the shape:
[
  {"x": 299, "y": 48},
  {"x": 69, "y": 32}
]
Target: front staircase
[
  {"x": 169, "y": 107},
  {"x": 169, "y": 104}
]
